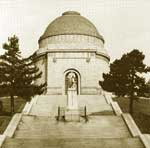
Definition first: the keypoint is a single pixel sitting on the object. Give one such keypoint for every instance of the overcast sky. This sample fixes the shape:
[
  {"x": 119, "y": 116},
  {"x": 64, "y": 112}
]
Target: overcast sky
[{"x": 125, "y": 24}]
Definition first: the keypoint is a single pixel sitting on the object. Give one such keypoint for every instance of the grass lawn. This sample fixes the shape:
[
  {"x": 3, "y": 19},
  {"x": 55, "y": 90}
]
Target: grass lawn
[
  {"x": 4, "y": 121},
  {"x": 142, "y": 120},
  {"x": 19, "y": 104},
  {"x": 5, "y": 114}
]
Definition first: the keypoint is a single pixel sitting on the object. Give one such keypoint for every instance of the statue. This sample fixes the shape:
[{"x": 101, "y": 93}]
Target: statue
[
  {"x": 72, "y": 82},
  {"x": 72, "y": 91}
]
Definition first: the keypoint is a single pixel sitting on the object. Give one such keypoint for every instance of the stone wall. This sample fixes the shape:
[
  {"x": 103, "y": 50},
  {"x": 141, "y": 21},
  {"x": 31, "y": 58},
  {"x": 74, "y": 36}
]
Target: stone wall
[
  {"x": 90, "y": 69},
  {"x": 72, "y": 43},
  {"x": 85, "y": 54}
]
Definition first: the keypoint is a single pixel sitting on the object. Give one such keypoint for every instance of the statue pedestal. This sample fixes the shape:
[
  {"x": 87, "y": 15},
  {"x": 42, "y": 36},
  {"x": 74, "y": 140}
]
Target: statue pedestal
[
  {"x": 72, "y": 115},
  {"x": 72, "y": 99},
  {"x": 72, "y": 112}
]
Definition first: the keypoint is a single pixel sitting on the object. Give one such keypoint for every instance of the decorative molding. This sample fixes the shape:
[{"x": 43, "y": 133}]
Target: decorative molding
[
  {"x": 88, "y": 51},
  {"x": 102, "y": 56},
  {"x": 88, "y": 58},
  {"x": 70, "y": 37},
  {"x": 79, "y": 79},
  {"x": 54, "y": 58}
]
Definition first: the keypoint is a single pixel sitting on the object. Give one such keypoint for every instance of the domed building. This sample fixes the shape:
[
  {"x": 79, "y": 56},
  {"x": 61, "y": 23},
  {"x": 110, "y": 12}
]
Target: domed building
[{"x": 71, "y": 46}]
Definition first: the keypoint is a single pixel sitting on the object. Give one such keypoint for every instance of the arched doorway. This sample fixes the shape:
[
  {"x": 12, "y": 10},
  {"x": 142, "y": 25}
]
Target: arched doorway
[{"x": 72, "y": 79}]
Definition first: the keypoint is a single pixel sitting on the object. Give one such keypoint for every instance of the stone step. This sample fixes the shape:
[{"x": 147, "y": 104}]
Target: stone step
[
  {"x": 47, "y": 105},
  {"x": 46, "y": 110},
  {"x": 97, "y": 126},
  {"x": 73, "y": 143}
]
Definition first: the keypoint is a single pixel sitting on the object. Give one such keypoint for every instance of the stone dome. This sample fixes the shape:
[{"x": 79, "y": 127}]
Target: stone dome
[{"x": 71, "y": 23}]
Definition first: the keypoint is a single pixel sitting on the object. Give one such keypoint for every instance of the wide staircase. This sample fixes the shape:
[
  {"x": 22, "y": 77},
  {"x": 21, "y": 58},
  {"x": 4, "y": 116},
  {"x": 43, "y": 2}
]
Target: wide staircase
[
  {"x": 44, "y": 131},
  {"x": 96, "y": 127},
  {"x": 47, "y": 105}
]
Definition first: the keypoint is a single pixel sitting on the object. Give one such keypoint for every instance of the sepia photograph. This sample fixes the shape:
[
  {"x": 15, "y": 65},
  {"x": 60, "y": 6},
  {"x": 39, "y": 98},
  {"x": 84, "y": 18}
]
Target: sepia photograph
[{"x": 75, "y": 74}]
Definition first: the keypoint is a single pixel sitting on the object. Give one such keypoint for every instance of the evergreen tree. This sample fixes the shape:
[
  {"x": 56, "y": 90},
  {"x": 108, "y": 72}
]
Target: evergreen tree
[
  {"x": 29, "y": 73},
  {"x": 124, "y": 78},
  {"x": 17, "y": 75}
]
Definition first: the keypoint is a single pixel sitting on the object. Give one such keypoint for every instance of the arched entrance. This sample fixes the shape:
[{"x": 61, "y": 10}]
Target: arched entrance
[{"x": 72, "y": 79}]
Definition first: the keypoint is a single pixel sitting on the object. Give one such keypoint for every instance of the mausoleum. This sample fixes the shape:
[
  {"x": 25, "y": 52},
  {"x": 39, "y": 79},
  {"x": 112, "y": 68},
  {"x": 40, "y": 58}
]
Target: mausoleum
[{"x": 72, "y": 44}]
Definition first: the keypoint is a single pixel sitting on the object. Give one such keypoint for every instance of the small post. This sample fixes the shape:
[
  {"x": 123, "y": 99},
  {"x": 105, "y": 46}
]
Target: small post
[
  {"x": 85, "y": 114},
  {"x": 85, "y": 111},
  {"x": 58, "y": 112}
]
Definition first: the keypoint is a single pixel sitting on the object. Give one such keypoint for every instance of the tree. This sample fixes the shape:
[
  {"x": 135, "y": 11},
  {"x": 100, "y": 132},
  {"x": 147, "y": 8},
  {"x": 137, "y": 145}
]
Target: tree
[
  {"x": 125, "y": 79},
  {"x": 17, "y": 74},
  {"x": 29, "y": 73},
  {"x": 148, "y": 89}
]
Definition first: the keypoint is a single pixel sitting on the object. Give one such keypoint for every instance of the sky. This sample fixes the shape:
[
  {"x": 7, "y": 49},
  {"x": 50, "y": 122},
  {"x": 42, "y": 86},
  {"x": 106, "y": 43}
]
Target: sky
[{"x": 124, "y": 24}]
